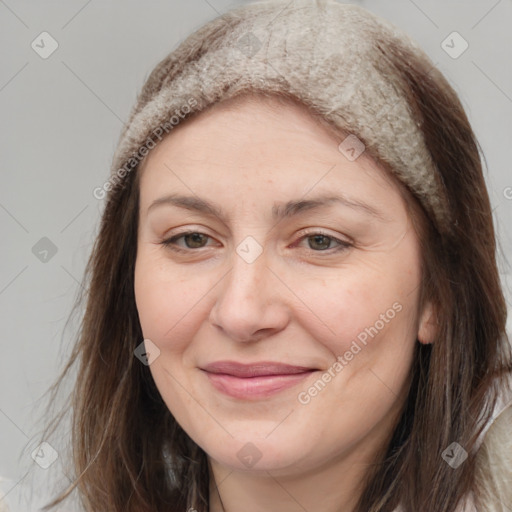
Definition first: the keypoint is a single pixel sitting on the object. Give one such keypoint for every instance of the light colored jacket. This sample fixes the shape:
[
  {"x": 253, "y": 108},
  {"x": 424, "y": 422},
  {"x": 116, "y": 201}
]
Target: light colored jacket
[{"x": 494, "y": 462}]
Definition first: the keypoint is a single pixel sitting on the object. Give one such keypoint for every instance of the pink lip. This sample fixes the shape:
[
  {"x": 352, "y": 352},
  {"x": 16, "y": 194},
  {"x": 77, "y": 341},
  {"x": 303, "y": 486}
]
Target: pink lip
[{"x": 258, "y": 380}]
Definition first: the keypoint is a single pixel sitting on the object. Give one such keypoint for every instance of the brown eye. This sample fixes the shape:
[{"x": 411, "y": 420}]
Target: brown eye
[
  {"x": 193, "y": 240},
  {"x": 320, "y": 242}
]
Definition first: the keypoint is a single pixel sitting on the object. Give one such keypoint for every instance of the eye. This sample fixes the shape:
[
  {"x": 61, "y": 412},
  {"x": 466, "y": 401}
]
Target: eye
[
  {"x": 192, "y": 239},
  {"x": 318, "y": 242},
  {"x": 321, "y": 242}
]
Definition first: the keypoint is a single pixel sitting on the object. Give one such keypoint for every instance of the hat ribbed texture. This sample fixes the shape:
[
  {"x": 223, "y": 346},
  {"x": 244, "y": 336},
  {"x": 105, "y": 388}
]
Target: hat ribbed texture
[{"x": 321, "y": 52}]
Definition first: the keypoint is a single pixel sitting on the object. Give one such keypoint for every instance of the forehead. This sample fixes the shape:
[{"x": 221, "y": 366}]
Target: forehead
[
  {"x": 258, "y": 127},
  {"x": 277, "y": 106},
  {"x": 251, "y": 139}
]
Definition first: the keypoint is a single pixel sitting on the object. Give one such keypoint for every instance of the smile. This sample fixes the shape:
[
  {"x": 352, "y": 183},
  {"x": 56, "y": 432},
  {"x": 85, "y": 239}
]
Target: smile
[{"x": 258, "y": 387}]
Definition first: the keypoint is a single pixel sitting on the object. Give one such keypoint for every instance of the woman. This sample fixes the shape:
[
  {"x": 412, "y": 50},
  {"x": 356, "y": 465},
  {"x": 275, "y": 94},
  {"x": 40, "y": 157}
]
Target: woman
[{"x": 293, "y": 301}]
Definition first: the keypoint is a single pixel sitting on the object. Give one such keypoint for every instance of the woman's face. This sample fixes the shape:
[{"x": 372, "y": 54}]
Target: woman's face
[{"x": 276, "y": 270}]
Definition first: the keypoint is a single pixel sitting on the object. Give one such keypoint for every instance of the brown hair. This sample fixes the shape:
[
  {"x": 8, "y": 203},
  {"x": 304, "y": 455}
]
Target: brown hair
[{"x": 131, "y": 455}]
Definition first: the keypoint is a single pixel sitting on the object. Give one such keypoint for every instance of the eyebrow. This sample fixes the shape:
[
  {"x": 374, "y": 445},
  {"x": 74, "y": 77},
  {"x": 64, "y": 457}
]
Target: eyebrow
[{"x": 280, "y": 211}]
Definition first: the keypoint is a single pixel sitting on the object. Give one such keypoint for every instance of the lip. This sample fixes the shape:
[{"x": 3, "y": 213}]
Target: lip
[
  {"x": 254, "y": 381},
  {"x": 257, "y": 369}
]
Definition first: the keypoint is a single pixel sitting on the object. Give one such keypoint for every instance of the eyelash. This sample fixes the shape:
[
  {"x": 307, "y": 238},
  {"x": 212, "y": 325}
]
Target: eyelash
[{"x": 343, "y": 245}]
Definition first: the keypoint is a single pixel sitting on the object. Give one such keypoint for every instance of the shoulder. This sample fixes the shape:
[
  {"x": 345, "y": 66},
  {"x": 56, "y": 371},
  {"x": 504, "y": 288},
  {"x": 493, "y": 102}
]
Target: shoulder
[{"x": 494, "y": 463}]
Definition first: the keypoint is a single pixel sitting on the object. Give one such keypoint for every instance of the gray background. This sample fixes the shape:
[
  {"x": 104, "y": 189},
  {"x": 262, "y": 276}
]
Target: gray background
[{"x": 60, "y": 121}]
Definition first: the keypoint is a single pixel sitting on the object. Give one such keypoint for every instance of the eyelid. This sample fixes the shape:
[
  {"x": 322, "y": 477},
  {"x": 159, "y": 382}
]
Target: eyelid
[
  {"x": 168, "y": 241},
  {"x": 321, "y": 231},
  {"x": 342, "y": 244}
]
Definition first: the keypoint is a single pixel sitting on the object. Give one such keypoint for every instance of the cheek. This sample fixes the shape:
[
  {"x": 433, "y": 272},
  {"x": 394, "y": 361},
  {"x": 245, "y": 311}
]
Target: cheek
[
  {"x": 363, "y": 305},
  {"x": 168, "y": 303},
  {"x": 170, "y": 312},
  {"x": 367, "y": 325}
]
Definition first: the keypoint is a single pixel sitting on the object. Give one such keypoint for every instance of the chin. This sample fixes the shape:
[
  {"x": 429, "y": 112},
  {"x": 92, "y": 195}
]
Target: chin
[{"x": 255, "y": 455}]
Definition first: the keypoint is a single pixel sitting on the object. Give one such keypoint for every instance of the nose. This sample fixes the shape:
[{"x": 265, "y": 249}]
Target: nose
[{"x": 250, "y": 304}]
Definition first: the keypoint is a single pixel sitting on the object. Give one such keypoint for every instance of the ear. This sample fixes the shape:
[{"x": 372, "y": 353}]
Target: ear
[{"x": 427, "y": 328}]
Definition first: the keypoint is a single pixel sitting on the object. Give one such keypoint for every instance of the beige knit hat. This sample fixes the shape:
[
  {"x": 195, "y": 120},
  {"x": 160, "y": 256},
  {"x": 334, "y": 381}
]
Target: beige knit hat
[{"x": 321, "y": 52}]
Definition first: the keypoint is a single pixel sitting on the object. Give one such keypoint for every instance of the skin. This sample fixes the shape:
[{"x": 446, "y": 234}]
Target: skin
[{"x": 299, "y": 302}]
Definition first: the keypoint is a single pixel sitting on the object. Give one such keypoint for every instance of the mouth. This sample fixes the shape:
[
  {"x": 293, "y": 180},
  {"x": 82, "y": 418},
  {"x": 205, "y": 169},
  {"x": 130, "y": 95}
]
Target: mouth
[{"x": 254, "y": 381}]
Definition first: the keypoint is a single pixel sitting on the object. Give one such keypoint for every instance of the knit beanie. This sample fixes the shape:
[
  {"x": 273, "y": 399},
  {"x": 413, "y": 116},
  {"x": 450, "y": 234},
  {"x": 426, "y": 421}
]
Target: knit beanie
[{"x": 321, "y": 52}]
